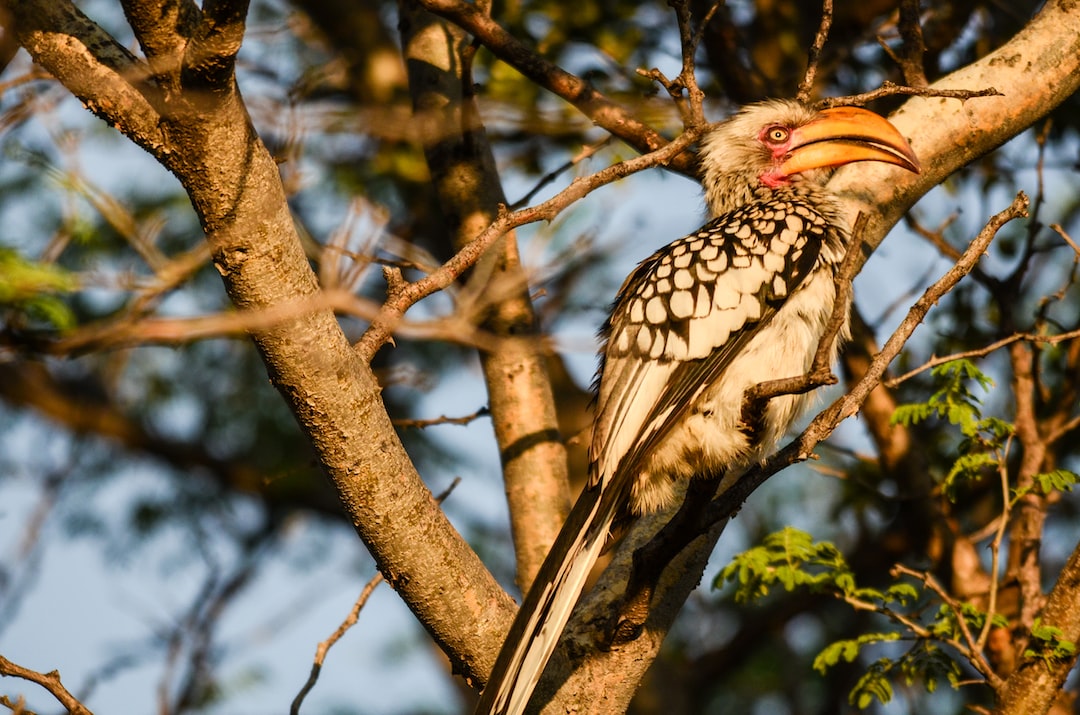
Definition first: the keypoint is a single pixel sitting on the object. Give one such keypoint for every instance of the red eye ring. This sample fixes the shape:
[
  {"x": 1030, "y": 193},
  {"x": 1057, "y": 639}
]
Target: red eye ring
[{"x": 777, "y": 134}]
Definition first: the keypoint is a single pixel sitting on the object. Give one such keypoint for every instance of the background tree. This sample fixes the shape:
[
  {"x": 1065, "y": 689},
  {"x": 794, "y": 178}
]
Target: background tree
[{"x": 369, "y": 136}]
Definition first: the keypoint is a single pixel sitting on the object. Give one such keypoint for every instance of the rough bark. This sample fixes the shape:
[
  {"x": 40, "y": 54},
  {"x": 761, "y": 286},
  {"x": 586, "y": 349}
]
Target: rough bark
[{"x": 1034, "y": 685}]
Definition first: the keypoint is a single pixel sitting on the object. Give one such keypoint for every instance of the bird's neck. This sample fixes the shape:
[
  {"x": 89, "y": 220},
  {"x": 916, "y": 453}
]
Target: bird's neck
[{"x": 733, "y": 192}]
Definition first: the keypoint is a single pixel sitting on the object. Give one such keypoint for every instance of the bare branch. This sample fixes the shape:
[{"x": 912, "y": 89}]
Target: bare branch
[
  {"x": 325, "y": 646},
  {"x": 585, "y": 153},
  {"x": 1067, "y": 238},
  {"x": 163, "y": 29},
  {"x": 50, "y": 681},
  {"x": 444, "y": 420},
  {"x": 910, "y": 57},
  {"x": 401, "y": 300},
  {"x": 97, "y": 69},
  {"x": 210, "y": 57},
  {"x": 350, "y": 620},
  {"x": 890, "y": 89},
  {"x": 1032, "y": 687},
  {"x": 806, "y": 86},
  {"x": 690, "y": 103},
  {"x": 134, "y": 327},
  {"x": 983, "y": 352}
]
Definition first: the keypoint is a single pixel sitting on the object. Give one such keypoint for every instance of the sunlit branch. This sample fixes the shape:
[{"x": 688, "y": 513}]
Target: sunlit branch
[{"x": 50, "y": 681}]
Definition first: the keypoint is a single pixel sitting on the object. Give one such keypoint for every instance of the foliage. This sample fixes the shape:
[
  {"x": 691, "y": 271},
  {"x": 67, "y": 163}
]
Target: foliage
[
  {"x": 1047, "y": 645},
  {"x": 955, "y": 401},
  {"x": 791, "y": 559},
  {"x": 34, "y": 289}
]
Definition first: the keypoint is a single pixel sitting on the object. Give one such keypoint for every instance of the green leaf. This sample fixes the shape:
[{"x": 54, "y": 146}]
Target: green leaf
[
  {"x": 952, "y": 399},
  {"x": 1047, "y": 644},
  {"x": 911, "y": 414},
  {"x": 1060, "y": 480},
  {"x": 901, "y": 592}
]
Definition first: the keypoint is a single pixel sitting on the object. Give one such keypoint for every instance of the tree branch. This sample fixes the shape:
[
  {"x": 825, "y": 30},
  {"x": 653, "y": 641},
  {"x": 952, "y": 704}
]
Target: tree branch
[
  {"x": 162, "y": 30},
  {"x": 210, "y": 58},
  {"x": 98, "y": 70},
  {"x": 1033, "y": 73},
  {"x": 235, "y": 186},
  {"x": 350, "y": 621},
  {"x": 593, "y": 104},
  {"x": 1035, "y": 683},
  {"x": 50, "y": 681},
  {"x": 409, "y": 294}
]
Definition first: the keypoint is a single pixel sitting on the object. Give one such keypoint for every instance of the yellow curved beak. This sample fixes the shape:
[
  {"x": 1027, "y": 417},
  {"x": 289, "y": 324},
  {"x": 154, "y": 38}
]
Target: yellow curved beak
[{"x": 844, "y": 135}]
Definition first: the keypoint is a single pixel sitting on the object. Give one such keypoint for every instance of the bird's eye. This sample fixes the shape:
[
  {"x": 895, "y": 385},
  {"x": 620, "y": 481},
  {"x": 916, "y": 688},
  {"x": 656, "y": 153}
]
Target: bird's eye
[{"x": 777, "y": 134}]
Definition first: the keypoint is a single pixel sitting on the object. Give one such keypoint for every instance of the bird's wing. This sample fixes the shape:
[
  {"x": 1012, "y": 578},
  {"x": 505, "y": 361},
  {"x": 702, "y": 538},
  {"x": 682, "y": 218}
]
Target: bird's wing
[{"x": 685, "y": 313}]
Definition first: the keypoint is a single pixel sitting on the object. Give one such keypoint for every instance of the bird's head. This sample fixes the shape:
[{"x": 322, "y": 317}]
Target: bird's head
[{"x": 781, "y": 142}]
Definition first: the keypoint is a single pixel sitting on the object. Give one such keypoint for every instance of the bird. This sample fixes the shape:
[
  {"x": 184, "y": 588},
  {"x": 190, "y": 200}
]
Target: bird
[{"x": 742, "y": 300}]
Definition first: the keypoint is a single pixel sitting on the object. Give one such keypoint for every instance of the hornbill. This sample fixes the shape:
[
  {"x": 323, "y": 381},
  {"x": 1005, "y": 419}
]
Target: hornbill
[{"x": 742, "y": 300}]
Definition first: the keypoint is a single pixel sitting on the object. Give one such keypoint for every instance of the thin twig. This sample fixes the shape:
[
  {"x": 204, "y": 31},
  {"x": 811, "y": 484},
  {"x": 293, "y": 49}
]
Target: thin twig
[
  {"x": 690, "y": 104},
  {"x": 806, "y": 87},
  {"x": 129, "y": 330},
  {"x": 995, "y": 546},
  {"x": 444, "y": 420},
  {"x": 586, "y": 151},
  {"x": 983, "y": 351},
  {"x": 705, "y": 20},
  {"x": 910, "y": 58},
  {"x": 50, "y": 681},
  {"x": 1067, "y": 238},
  {"x": 936, "y": 236},
  {"x": 326, "y": 645},
  {"x": 890, "y": 89},
  {"x": 350, "y": 620},
  {"x": 600, "y": 109},
  {"x": 968, "y": 648}
]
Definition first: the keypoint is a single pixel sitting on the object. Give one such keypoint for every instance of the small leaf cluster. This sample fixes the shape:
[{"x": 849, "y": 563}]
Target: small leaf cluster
[
  {"x": 924, "y": 662},
  {"x": 791, "y": 559},
  {"x": 1057, "y": 480},
  {"x": 946, "y": 623},
  {"x": 984, "y": 440},
  {"x": 952, "y": 398},
  {"x": 1047, "y": 645}
]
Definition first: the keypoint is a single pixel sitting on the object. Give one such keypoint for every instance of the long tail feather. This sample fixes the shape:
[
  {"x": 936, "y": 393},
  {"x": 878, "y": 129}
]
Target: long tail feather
[{"x": 548, "y": 604}]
